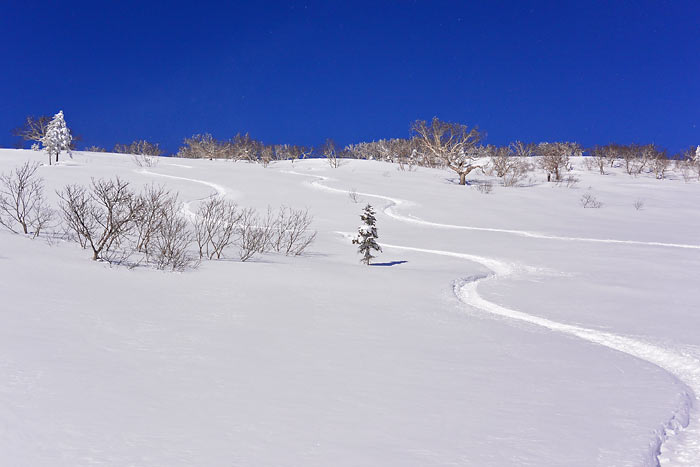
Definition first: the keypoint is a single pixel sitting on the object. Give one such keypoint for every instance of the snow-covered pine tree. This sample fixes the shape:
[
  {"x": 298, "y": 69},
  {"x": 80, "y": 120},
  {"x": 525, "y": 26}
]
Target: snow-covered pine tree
[
  {"x": 57, "y": 137},
  {"x": 367, "y": 235}
]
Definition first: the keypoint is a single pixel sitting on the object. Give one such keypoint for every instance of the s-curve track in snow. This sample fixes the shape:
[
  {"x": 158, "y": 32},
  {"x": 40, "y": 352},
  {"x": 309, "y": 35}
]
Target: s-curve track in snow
[{"x": 677, "y": 441}]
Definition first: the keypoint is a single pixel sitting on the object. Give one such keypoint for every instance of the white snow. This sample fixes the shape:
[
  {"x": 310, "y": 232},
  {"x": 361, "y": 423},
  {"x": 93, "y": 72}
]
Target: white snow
[{"x": 514, "y": 328}]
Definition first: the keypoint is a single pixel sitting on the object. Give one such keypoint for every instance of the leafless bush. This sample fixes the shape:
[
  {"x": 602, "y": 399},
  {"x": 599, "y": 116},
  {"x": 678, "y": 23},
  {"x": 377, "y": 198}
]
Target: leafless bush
[
  {"x": 332, "y": 153},
  {"x": 153, "y": 202},
  {"x": 95, "y": 149},
  {"x": 215, "y": 225},
  {"x": 252, "y": 237},
  {"x": 354, "y": 197},
  {"x": 638, "y": 204},
  {"x": 140, "y": 148},
  {"x": 145, "y": 161},
  {"x": 171, "y": 241},
  {"x": 22, "y": 200},
  {"x": 589, "y": 163},
  {"x": 485, "y": 187},
  {"x": 689, "y": 169},
  {"x": 660, "y": 164},
  {"x": 590, "y": 201},
  {"x": 101, "y": 217},
  {"x": 570, "y": 181},
  {"x": 291, "y": 233}
]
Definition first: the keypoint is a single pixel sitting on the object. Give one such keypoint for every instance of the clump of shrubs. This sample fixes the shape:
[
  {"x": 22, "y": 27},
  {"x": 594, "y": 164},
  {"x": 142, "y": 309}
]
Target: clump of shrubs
[{"x": 122, "y": 226}]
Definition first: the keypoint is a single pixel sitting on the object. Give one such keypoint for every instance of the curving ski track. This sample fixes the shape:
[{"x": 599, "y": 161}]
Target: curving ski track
[
  {"x": 186, "y": 210},
  {"x": 677, "y": 442}
]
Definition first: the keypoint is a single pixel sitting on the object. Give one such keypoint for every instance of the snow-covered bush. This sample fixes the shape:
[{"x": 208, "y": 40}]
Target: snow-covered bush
[
  {"x": 22, "y": 204},
  {"x": 367, "y": 236},
  {"x": 57, "y": 138}
]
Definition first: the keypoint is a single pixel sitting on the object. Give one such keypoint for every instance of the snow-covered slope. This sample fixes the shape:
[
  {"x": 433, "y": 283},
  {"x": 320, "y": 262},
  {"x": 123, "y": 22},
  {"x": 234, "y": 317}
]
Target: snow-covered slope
[{"x": 496, "y": 332}]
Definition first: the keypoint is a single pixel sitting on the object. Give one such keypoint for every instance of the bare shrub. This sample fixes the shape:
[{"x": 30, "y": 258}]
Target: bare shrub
[
  {"x": 170, "y": 248},
  {"x": 95, "y": 149},
  {"x": 638, "y": 204},
  {"x": 140, "y": 147},
  {"x": 660, "y": 164},
  {"x": 251, "y": 237},
  {"x": 22, "y": 202},
  {"x": 590, "y": 201},
  {"x": 215, "y": 226},
  {"x": 291, "y": 233},
  {"x": 101, "y": 217},
  {"x": 354, "y": 197},
  {"x": 570, "y": 181},
  {"x": 485, "y": 187},
  {"x": 154, "y": 201},
  {"x": 145, "y": 161},
  {"x": 332, "y": 153}
]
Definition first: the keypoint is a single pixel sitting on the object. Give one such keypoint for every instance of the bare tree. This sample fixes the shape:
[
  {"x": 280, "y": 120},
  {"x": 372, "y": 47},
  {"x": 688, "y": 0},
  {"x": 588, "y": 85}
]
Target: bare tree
[
  {"x": 215, "y": 226},
  {"x": 22, "y": 200},
  {"x": 601, "y": 155},
  {"x": 660, "y": 163},
  {"x": 102, "y": 216},
  {"x": 452, "y": 143},
  {"x": 331, "y": 153},
  {"x": 33, "y": 128},
  {"x": 555, "y": 157}
]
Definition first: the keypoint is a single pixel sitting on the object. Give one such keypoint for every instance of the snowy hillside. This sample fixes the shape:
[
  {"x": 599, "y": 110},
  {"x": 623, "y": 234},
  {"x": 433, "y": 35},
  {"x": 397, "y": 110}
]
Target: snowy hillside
[{"x": 496, "y": 329}]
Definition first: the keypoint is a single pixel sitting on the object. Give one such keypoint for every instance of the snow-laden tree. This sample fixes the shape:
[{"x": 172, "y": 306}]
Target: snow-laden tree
[
  {"x": 367, "y": 235},
  {"x": 57, "y": 137}
]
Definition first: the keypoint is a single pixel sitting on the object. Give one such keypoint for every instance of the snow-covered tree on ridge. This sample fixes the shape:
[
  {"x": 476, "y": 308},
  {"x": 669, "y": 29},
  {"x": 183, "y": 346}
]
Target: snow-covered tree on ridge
[
  {"x": 367, "y": 235},
  {"x": 57, "y": 137}
]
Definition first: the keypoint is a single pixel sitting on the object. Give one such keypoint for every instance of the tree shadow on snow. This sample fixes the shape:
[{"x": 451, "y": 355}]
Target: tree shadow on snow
[{"x": 390, "y": 263}]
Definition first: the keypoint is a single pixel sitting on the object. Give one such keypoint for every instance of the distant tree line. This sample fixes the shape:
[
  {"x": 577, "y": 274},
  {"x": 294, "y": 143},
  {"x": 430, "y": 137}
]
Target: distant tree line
[{"x": 433, "y": 144}]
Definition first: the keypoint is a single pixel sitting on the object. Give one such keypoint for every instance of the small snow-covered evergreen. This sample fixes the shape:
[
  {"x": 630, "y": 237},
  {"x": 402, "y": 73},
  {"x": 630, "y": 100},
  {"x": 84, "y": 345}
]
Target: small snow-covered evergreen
[
  {"x": 367, "y": 235},
  {"x": 57, "y": 137}
]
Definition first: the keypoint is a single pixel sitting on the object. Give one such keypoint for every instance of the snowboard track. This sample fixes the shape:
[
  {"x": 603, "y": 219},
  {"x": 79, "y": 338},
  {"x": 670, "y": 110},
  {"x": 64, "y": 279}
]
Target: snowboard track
[{"x": 677, "y": 441}]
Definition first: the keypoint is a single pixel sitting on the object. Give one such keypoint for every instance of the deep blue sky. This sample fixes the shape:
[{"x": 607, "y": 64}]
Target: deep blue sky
[{"x": 299, "y": 72}]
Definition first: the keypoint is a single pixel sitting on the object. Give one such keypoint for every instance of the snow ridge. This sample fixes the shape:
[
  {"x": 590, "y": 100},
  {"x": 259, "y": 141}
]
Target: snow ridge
[{"x": 677, "y": 442}]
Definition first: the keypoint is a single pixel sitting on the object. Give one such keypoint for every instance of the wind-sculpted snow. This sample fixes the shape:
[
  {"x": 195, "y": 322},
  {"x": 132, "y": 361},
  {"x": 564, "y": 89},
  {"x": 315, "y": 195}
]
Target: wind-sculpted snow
[{"x": 677, "y": 442}]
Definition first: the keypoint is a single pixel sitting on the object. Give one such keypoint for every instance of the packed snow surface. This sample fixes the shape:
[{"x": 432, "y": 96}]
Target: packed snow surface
[{"x": 510, "y": 328}]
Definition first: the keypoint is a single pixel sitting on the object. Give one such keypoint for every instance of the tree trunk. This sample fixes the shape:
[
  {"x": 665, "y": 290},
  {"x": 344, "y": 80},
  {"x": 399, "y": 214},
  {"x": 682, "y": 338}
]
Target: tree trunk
[
  {"x": 463, "y": 178},
  {"x": 57, "y": 156}
]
